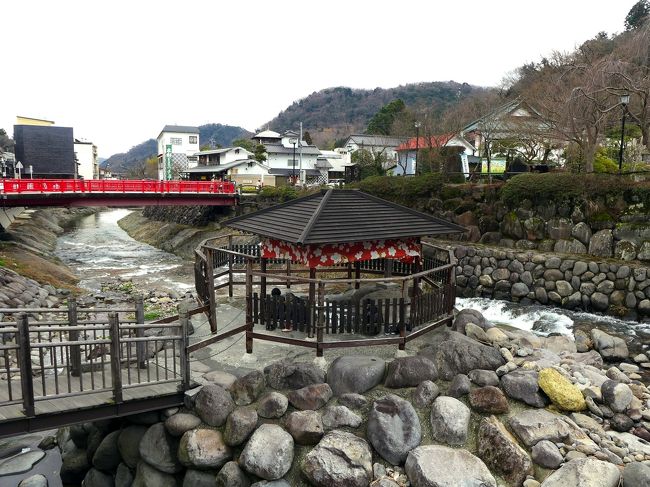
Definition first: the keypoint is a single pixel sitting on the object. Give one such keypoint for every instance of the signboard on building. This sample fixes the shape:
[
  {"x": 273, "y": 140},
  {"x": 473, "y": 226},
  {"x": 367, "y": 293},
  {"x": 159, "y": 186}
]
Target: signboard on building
[{"x": 168, "y": 162}]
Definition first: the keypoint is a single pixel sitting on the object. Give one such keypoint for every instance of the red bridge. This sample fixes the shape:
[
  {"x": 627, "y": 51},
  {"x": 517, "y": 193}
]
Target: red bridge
[{"x": 112, "y": 192}]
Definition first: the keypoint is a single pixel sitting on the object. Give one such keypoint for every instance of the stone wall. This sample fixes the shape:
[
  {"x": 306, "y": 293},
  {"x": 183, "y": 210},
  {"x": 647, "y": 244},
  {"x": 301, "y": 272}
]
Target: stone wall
[{"x": 616, "y": 288}]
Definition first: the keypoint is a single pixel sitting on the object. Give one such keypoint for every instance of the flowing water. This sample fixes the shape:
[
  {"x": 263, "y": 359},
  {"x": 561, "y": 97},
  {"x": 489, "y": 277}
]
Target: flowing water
[{"x": 98, "y": 250}]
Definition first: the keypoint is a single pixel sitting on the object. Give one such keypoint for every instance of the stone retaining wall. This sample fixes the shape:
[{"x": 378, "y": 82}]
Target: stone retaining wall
[{"x": 616, "y": 288}]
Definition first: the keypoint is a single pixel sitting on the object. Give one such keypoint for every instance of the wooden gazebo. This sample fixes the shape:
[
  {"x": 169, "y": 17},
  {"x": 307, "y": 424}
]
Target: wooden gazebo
[{"x": 328, "y": 233}]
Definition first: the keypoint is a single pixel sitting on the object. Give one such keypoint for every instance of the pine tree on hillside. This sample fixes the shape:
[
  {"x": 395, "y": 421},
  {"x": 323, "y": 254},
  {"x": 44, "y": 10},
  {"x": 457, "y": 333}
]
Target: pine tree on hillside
[{"x": 638, "y": 15}]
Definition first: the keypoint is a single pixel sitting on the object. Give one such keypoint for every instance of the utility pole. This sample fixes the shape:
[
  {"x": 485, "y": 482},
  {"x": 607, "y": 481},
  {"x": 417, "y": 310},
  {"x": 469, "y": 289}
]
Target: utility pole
[
  {"x": 416, "y": 169},
  {"x": 302, "y": 178}
]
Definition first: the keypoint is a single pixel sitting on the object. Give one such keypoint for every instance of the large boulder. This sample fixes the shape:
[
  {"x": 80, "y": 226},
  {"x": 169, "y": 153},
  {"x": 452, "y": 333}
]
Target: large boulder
[
  {"x": 393, "y": 428},
  {"x": 312, "y": 397},
  {"x": 616, "y": 395},
  {"x": 107, "y": 456},
  {"x": 203, "y": 449},
  {"x": 231, "y": 475},
  {"x": 147, "y": 476},
  {"x": 239, "y": 426},
  {"x": 410, "y": 372},
  {"x": 340, "y": 458},
  {"x": 454, "y": 353},
  {"x": 546, "y": 454},
  {"x": 269, "y": 452},
  {"x": 306, "y": 427},
  {"x": 213, "y": 404},
  {"x": 533, "y": 425},
  {"x": 587, "y": 472},
  {"x": 272, "y": 405},
  {"x": 610, "y": 347},
  {"x": 129, "y": 444},
  {"x": 287, "y": 374},
  {"x": 636, "y": 474},
  {"x": 488, "y": 399},
  {"x": 441, "y": 466},
  {"x": 355, "y": 374},
  {"x": 198, "y": 478},
  {"x": 449, "y": 420},
  {"x": 248, "y": 388},
  {"x": 338, "y": 416},
  {"x": 465, "y": 316},
  {"x": 523, "y": 385},
  {"x": 180, "y": 423},
  {"x": 602, "y": 243},
  {"x": 160, "y": 449},
  {"x": 501, "y": 452},
  {"x": 561, "y": 391}
]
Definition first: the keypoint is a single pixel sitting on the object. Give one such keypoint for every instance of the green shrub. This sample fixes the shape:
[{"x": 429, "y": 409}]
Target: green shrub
[
  {"x": 602, "y": 163},
  {"x": 403, "y": 190},
  {"x": 281, "y": 193}
]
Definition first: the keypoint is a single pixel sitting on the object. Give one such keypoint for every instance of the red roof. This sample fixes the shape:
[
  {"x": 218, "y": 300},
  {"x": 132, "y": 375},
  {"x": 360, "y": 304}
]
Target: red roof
[{"x": 425, "y": 142}]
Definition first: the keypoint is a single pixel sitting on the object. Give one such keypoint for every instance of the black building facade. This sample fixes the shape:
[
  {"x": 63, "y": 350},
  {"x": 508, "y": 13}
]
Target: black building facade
[{"x": 49, "y": 150}]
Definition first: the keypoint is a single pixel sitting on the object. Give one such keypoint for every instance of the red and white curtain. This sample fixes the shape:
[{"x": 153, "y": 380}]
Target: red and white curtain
[{"x": 319, "y": 255}]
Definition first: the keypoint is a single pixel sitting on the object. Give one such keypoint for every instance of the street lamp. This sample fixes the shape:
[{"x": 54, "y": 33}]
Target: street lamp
[
  {"x": 625, "y": 99},
  {"x": 417, "y": 146},
  {"x": 293, "y": 141}
]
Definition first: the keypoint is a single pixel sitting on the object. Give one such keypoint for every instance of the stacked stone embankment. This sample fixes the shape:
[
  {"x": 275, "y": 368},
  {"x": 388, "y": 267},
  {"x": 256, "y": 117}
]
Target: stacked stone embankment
[
  {"x": 476, "y": 405},
  {"x": 17, "y": 291},
  {"x": 618, "y": 288}
]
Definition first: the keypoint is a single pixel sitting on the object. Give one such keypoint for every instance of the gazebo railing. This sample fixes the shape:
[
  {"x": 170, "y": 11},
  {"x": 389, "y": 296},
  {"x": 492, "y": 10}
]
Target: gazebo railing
[{"x": 398, "y": 319}]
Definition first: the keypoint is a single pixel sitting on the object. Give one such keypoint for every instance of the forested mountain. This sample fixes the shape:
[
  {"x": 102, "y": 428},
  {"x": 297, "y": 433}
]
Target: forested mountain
[
  {"x": 334, "y": 113},
  {"x": 211, "y": 134}
]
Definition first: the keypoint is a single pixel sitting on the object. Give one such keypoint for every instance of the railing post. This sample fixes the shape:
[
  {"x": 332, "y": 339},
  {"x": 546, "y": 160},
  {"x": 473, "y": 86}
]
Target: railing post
[
  {"x": 73, "y": 336},
  {"x": 183, "y": 320},
  {"x": 321, "y": 319},
  {"x": 357, "y": 274},
  {"x": 116, "y": 369},
  {"x": 140, "y": 347},
  {"x": 212, "y": 302},
  {"x": 249, "y": 305},
  {"x": 288, "y": 274},
  {"x": 388, "y": 267},
  {"x": 263, "y": 261},
  {"x": 25, "y": 361}
]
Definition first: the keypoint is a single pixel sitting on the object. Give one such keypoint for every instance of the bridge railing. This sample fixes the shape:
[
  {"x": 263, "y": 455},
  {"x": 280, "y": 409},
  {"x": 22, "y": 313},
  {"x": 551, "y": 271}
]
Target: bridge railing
[
  {"x": 37, "y": 186},
  {"x": 87, "y": 351}
]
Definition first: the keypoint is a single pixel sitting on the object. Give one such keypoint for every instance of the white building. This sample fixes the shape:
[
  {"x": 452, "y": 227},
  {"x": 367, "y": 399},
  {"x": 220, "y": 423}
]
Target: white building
[
  {"x": 177, "y": 146},
  {"x": 375, "y": 144},
  {"x": 289, "y": 156},
  {"x": 335, "y": 161},
  {"x": 86, "y": 155},
  {"x": 224, "y": 155},
  {"x": 406, "y": 162}
]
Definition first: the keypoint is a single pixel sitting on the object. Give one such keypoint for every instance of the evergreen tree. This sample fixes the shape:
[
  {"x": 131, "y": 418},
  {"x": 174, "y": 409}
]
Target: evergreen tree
[
  {"x": 637, "y": 15},
  {"x": 382, "y": 121},
  {"x": 307, "y": 138}
]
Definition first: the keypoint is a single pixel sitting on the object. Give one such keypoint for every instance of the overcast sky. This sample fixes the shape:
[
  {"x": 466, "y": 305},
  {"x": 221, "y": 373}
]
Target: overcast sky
[{"x": 117, "y": 71}]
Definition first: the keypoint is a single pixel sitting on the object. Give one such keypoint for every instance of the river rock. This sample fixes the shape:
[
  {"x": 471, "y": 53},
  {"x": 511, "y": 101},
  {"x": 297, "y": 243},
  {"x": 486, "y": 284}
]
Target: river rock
[
  {"x": 636, "y": 475},
  {"x": 272, "y": 405},
  {"x": 107, "y": 455},
  {"x": 203, "y": 449},
  {"x": 128, "y": 444},
  {"x": 523, "y": 385},
  {"x": 587, "y": 472},
  {"x": 306, "y": 427},
  {"x": 247, "y": 389},
  {"x": 340, "y": 458},
  {"x": 449, "y": 420},
  {"x": 213, "y": 404},
  {"x": 501, "y": 452},
  {"x": 339, "y": 416},
  {"x": 13, "y": 446},
  {"x": 74, "y": 466},
  {"x": 534, "y": 425},
  {"x": 353, "y": 400},
  {"x": 561, "y": 391},
  {"x": 23, "y": 462},
  {"x": 269, "y": 452},
  {"x": 616, "y": 395},
  {"x": 465, "y": 316},
  {"x": 37, "y": 480},
  {"x": 410, "y": 372},
  {"x": 239, "y": 426},
  {"x": 425, "y": 394},
  {"x": 147, "y": 476},
  {"x": 231, "y": 475},
  {"x": 123, "y": 476},
  {"x": 313, "y": 396},
  {"x": 288, "y": 374},
  {"x": 454, "y": 354},
  {"x": 484, "y": 377},
  {"x": 181, "y": 422},
  {"x": 160, "y": 449},
  {"x": 220, "y": 378},
  {"x": 393, "y": 428},
  {"x": 546, "y": 454},
  {"x": 441, "y": 466},
  {"x": 460, "y": 386},
  {"x": 621, "y": 422},
  {"x": 355, "y": 374},
  {"x": 198, "y": 478},
  {"x": 97, "y": 478},
  {"x": 488, "y": 399},
  {"x": 610, "y": 347},
  {"x": 477, "y": 333}
]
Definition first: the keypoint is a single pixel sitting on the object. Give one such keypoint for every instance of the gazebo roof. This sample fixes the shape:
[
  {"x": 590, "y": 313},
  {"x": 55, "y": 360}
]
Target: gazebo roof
[{"x": 338, "y": 216}]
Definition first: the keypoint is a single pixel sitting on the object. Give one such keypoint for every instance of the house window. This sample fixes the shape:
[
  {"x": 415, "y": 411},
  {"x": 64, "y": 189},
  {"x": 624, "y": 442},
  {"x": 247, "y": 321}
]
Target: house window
[
  {"x": 192, "y": 158},
  {"x": 193, "y": 139},
  {"x": 176, "y": 141},
  {"x": 293, "y": 161}
]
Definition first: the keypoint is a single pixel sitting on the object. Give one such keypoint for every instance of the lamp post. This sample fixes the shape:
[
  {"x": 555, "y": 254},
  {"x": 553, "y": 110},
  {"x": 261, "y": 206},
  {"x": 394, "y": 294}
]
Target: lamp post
[
  {"x": 417, "y": 146},
  {"x": 625, "y": 99},
  {"x": 293, "y": 141}
]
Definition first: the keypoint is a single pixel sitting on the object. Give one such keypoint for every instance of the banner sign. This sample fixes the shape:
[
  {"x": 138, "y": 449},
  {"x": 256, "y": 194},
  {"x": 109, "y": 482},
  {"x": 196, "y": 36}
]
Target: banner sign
[{"x": 168, "y": 162}]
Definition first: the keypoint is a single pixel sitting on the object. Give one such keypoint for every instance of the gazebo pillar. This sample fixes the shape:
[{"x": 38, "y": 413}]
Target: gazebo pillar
[
  {"x": 312, "y": 296},
  {"x": 357, "y": 273},
  {"x": 263, "y": 262},
  {"x": 388, "y": 267}
]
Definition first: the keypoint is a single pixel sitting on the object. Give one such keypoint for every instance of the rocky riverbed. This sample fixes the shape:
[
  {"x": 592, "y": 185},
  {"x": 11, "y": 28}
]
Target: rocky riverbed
[{"x": 475, "y": 405}]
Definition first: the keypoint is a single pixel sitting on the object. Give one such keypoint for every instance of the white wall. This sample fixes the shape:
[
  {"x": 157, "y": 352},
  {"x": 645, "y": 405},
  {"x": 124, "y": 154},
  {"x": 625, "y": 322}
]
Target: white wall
[
  {"x": 87, "y": 161},
  {"x": 184, "y": 148}
]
